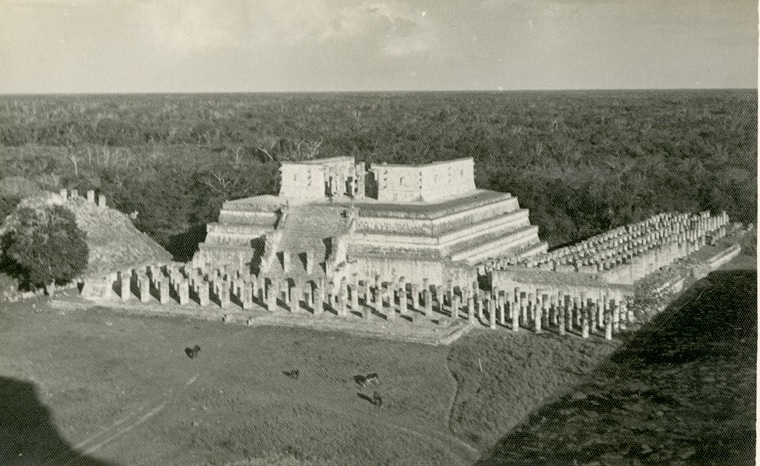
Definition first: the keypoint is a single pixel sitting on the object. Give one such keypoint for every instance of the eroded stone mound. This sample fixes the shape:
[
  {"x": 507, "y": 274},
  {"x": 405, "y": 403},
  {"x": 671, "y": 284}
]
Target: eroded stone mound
[{"x": 113, "y": 241}]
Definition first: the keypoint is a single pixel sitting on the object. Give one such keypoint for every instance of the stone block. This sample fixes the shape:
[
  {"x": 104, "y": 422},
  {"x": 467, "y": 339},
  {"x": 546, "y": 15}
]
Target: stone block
[
  {"x": 456, "y": 303},
  {"x": 319, "y": 294},
  {"x": 428, "y": 302},
  {"x": 125, "y": 284},
  {"x": 163, "y": 291},
  {"x": 271, "y": 297},
  {"x": 247, "y": 295},
  {"x": 183, "y": 292},
  {"x": 224, "y": 296},
  {"x": 144, "y": 289},
  {"x": 203, "y": 297}
]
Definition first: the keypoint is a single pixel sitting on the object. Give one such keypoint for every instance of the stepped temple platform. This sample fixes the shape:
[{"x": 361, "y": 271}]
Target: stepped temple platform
[
  {"x": 335, "y": 219},
  {"x": 395, "y": 246}
]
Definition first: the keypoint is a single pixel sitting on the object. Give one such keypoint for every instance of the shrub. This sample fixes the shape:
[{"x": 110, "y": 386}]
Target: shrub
[{"x": 45, "y": 245}]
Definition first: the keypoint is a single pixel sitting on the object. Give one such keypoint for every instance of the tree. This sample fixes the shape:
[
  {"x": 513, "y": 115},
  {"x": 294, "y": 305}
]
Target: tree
[{"x": 46, "y": 245}]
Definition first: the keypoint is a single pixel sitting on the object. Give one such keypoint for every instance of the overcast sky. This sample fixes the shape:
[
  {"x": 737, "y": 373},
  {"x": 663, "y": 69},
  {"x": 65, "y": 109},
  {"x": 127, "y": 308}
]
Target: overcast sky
[{"x": 353, "y": 45}]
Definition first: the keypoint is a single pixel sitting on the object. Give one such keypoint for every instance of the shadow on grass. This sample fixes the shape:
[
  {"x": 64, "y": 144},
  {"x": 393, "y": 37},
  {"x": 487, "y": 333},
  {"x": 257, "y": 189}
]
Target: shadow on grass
[
  {"x": 27, "y": 434},
  {"x": 713, "y": 311},
  {"x": 681, "y": 389}
]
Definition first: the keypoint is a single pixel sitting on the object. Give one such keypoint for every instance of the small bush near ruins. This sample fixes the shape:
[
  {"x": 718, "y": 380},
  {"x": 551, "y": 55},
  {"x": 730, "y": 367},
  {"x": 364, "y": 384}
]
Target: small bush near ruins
[{"x": 44, "y": 246}]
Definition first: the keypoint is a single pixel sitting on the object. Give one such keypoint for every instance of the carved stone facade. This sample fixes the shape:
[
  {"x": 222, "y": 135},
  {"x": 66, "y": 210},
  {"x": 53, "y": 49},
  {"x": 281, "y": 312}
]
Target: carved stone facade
[{"x": 424, "y": 183}]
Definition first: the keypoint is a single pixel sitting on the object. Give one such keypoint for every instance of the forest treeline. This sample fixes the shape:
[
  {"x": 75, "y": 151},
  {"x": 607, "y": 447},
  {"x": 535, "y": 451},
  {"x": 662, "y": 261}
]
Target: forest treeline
[{"x": 582, "y": 162}]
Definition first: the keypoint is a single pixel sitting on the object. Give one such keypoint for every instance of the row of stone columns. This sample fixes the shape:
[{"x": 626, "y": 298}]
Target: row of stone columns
[
  {"x": 66, "y": 194},
  {"x": 534, "y": 309},
  {"x": 620, "y": 245},
  {"x": 567, "y": 312}
]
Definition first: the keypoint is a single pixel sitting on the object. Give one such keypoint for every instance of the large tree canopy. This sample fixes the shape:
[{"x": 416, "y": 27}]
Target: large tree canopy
[{"x": 46, "y": 245}]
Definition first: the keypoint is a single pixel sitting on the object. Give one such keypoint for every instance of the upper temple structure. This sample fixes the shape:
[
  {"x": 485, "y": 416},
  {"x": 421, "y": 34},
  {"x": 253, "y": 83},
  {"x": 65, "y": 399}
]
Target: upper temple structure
[{"x": 335, "y": 218}]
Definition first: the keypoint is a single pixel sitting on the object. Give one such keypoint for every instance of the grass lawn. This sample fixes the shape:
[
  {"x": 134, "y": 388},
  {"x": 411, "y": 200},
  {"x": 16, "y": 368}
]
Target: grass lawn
[{"x": 121, "y": 389}]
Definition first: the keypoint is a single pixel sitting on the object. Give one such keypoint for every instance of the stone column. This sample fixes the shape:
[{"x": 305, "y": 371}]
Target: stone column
[
  {"x": 456, "y": 302},
  {"x": 515, "y": 319},
  {"x": 378, "y": 297},
  {"x": 224, "y": 295},
  {"x": 271, "y": 297},
  {"x": 502, "y": 309},
  {"x": 601, "y": 309},
  {"x": 247, "y": 295},
  {"x": 439, "y": 297},
  {"x": 91, "y": 196},
  {"x": 545, "y": 310},
  {"x": 284, "y": 291},
  {"x": 537, "y": 317},
  {"x": 561, "y": 317},
  {"x": 125, "y": 282},
  {"x": 390, "y": 313},
  {"x": 332, "y": 298},
  {"x": 612, "y": 309},
  {"x": 163, "y": 291},
  {"x": 585, "y": 322},
  {"x": 523, "y": 309},
  {"x": 144, "y": 289},
  {"x": 415, "y": 297},
  {"x": 319, "y": 295},
  {"x": 608, "y": 327},
  {"x": 203, "y": 292},
  {"x": 470, "y": 307},
  {"x": 427, "y": 296},
  {"x": 491, "y": 314},
  {"x": 255, "y": 287},
  {"x": 183, "y": 292},
  {"x": 309, "y": 286},
  {"x": 296, "y": 293},
  {"x": 342, "y": 311},
  {"x": 403, "y": 302},
  {"x": 309, "y": 262},
  {"x": 354, "y": 292}
]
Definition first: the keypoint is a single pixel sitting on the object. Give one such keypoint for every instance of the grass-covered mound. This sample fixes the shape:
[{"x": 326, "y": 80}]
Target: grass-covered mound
[
  {"x": 681, "y": 391},
  {"x": 113, "y": 241},
  {"x": 503, "y": 376}
]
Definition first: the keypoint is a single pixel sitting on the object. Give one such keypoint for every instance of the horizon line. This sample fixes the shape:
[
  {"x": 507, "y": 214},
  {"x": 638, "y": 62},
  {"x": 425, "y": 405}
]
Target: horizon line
[{"x": 398, "y": 91}]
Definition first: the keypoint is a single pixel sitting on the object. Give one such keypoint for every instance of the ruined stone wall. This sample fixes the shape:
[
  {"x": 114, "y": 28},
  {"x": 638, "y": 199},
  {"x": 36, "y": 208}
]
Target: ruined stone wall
[
  {"x": 424, "y": 183},
  {"x": 302, "y": 181},
  {"x": 414, "y": 270},
  {"x": 574, "y": 284}
]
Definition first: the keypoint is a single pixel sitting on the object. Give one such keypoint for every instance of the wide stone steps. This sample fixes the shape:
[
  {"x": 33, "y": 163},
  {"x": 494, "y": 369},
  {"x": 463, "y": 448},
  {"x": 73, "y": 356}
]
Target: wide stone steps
[
  {"x": 236, "y": 217},
  {"x": 484, "y": 213},
  {"x": 505, "y": 223},
  {"x": 491, "y": 247}
]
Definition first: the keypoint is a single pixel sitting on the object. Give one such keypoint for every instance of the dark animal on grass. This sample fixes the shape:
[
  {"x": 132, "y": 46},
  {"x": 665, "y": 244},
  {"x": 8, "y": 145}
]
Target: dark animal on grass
[
  {"x": 377, "y": 400},
  {"x": 368, "y": 379},
  {"x": 292, "y": 374},
  {"x": 192, "y": 353},
  {"x": 372, "y": 379}
]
